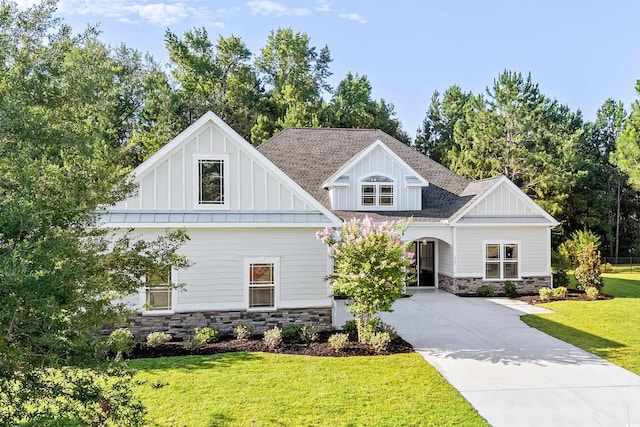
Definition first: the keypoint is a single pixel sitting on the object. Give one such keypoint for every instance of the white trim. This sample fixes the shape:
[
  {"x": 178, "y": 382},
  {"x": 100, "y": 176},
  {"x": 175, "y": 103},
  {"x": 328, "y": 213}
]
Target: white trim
[
  {"x": 276, "y": 281},
  {"x": 378, "y": 207},
  {"x": 195, "y": 164},
  {"x": 358, "y": 157},
  {"x": 243, "y": 146},
  {"x": 518, "y": 193},
  {"x": 501, "y": 260},
  {"x": 500, "y": 224}
]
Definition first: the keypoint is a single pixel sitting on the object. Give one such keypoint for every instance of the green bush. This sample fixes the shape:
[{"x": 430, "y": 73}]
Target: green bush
[
  {"x": 309, "y": 332},
  {"x": 192, "y": 343},
  {"x": 377, "y": 325},
  {"x": 338, "y": 341},
  {"x": 273, "y": 337},
  {"x": 510, "y": 289},
  {"x": 155, "y": 339},
  {"x": 121, "y": 342},
  {"x": 243, "y": 331},
  {"x": 351, "y": 328},
  {"x": 380, "y": 341},
  {"x": 207, "y": 335},
  {"x": 291, "y": 333},
  {"x": 560, "y": 292},
  {"x": 545, "y": 293},
  {"x": 592, "y": 292},
  {"x": 485, "y": 291}
]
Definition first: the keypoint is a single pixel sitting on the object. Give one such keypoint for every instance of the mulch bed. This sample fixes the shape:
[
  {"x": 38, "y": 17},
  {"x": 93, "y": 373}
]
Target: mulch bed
[
  {"x": 230, "y": 344},
  {"x": 572, "y": 295}
]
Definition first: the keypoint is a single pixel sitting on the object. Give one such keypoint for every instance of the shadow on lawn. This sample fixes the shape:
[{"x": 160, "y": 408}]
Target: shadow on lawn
[
  {"x": 540, "y": 354},
  {"x": 190, "y": 363}
]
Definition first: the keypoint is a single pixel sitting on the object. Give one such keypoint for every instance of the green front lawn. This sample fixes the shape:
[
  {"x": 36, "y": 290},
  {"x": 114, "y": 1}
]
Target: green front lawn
[
  {"x": 609, "y": 329},
  {"x": 260, "y": 389}
]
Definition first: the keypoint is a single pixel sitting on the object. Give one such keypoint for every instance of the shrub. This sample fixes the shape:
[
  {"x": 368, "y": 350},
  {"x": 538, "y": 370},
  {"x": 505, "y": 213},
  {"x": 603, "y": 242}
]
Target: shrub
[
  {"x": 120, "y": 341},
  {"x": 607, "y": 268},
  {"x": 351, "y": 328},
  {"x": 592, "y": 292},
  {"x": 339, "y": 341},
  {"x": 377, "y": 325},
  {"x": 510, "y": 289},
  {"x": 485, "y": 291},
  {"x": 243, "y": 331},
  {"x": 273, "y": 337},
  {"x": 292, "y": 333},
  {"x": 545, "y": 293},
  {"x": 191, "y": 343},
  {"x": 560, "y": 263},
  {"x": 588, "y": 270},
  {"x": 380, "y": 341},
  {"x": 309, "y": 332},
  {"x": 207, "y": 335},
  {"x": 560, "y": 292},
  {"x": 154, "y": 339}
]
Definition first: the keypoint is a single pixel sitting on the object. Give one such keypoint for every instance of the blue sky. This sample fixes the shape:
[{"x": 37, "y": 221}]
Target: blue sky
[{"x": 580, "y": 52}]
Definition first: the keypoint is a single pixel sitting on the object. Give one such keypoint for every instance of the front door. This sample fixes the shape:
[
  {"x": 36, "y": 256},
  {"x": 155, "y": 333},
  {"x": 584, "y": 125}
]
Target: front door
[{"x": 424, "y": 265}]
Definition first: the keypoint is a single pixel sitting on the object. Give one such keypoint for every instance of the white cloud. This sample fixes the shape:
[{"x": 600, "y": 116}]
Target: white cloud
[
  {"x": 24, "y": 4},
  {"x": 353, "y": 17},
  {"x": 271, "y": 8},
  {"x": 161, "y": 13},
  {"x": 323, "y": 6}
]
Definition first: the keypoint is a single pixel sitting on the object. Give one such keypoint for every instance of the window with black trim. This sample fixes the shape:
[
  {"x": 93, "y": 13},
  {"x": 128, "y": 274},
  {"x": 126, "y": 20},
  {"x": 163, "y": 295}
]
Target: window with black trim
[
  {"x": 502, "y": 261},
  {"x": 211, "y": 182},
  {"x": 377, "y": 190}
]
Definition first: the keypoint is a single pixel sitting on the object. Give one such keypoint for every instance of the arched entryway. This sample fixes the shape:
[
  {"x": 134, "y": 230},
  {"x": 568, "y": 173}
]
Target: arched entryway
[{"x": 424, "y": 267}]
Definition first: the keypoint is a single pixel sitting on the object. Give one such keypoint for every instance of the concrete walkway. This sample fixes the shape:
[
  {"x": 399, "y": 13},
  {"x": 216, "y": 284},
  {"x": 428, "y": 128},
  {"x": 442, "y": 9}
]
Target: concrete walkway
[{"x": 512, "y": 374}]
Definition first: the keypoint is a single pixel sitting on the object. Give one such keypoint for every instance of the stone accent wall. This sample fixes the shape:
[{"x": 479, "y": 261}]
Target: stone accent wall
[
  {"x": 468, "y": 286},
  {"x": 181, "y": 325}
]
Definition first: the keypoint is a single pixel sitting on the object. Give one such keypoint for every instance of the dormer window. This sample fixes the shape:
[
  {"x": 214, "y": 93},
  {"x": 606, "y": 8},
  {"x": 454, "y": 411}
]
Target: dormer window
[{"x": 377, "y": 191}]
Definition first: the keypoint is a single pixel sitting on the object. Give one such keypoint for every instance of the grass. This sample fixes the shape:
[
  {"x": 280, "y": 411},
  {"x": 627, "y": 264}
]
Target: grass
[
  {"x": 260, "y": 389},
  {"x": 609, "y": 329}
]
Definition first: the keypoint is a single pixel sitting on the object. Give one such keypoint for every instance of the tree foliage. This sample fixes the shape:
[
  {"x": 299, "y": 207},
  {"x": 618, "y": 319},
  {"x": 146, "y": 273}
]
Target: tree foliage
[
  {"x": 370, "y": 265},
  {"x": 627, "y": 153},
  {"x": 66, "y": 104}
]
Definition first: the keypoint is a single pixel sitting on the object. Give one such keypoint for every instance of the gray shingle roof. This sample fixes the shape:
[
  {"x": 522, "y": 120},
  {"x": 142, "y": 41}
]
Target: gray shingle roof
[{"x": 311, "y": 156}]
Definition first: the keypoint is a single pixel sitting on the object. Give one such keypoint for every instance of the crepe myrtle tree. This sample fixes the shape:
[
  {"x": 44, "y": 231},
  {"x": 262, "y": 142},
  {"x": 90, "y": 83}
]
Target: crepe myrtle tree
[{"x": 371, "y": 264}]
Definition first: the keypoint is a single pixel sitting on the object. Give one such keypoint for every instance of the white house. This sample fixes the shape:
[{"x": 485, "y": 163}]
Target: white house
[{"x": 252, "y": 215}]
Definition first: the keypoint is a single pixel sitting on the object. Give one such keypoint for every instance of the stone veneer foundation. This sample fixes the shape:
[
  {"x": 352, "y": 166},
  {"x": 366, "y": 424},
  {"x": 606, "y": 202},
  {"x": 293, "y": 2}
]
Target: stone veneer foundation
[
  {"x": 181, "y": 325},
  {"x": 469, "y": 285}
]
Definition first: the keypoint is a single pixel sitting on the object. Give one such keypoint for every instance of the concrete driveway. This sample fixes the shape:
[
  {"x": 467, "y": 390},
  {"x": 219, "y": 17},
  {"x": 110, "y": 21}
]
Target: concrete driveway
[{"x": 512, "y": 374}]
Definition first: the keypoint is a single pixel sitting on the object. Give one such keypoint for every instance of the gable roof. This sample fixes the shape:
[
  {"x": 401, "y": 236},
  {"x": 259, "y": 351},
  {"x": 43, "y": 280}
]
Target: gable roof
[
  {"x": 315, "y": 156},
  {"x": 172, "y": 216},
  {"x": 312, "y": 156},
  {"x": 419, "y": 180}
]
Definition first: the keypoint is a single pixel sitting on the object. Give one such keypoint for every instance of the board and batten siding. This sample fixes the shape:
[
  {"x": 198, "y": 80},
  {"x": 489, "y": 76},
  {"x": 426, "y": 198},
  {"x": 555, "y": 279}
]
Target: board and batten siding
[
  {"x": 216, "y": 280},
  {"x": 503, "y": 201},
  {"x": 169, "y": 185},
  {"x": 534, "y": 248},
  {"x": 376, "y": 162}
]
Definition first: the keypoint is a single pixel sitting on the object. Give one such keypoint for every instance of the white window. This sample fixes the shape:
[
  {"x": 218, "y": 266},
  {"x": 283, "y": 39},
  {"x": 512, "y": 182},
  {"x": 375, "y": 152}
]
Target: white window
[
  {"x": 210, "y": 178},
  {"x": 502, "y": 261},
  {"x": 262, "y": 279},
  {"x": 159, "y": 296},
  {"x": 377, "y": 191}
]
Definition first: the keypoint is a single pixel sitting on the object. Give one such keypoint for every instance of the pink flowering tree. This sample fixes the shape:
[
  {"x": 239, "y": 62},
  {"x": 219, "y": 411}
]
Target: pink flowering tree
[{"x": 371, "y": 265}]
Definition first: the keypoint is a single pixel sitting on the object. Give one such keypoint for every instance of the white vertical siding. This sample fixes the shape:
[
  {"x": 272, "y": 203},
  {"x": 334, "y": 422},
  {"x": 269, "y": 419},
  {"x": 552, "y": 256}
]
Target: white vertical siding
[
  {"x": 503, "y": 201},
  {"x": 170, "y": 184},
  {"x": 534, "y": 248},
  {"x": 378, "y": 161}
]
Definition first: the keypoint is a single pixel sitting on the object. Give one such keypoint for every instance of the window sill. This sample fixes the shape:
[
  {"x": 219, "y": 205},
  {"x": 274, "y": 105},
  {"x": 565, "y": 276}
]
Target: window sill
[
  {"x": 519, "y": 279},
  {"x": 264, "y": 309},
  {"x": 150, "y": 313}
]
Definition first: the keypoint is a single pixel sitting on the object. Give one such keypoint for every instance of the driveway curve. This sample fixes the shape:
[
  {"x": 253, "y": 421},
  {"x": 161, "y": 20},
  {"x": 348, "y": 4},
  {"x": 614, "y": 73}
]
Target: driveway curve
[{"x": 514, "y": 375}]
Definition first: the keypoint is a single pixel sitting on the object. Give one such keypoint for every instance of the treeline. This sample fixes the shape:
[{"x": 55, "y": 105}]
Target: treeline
[{"x": 577, "y": 170}]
